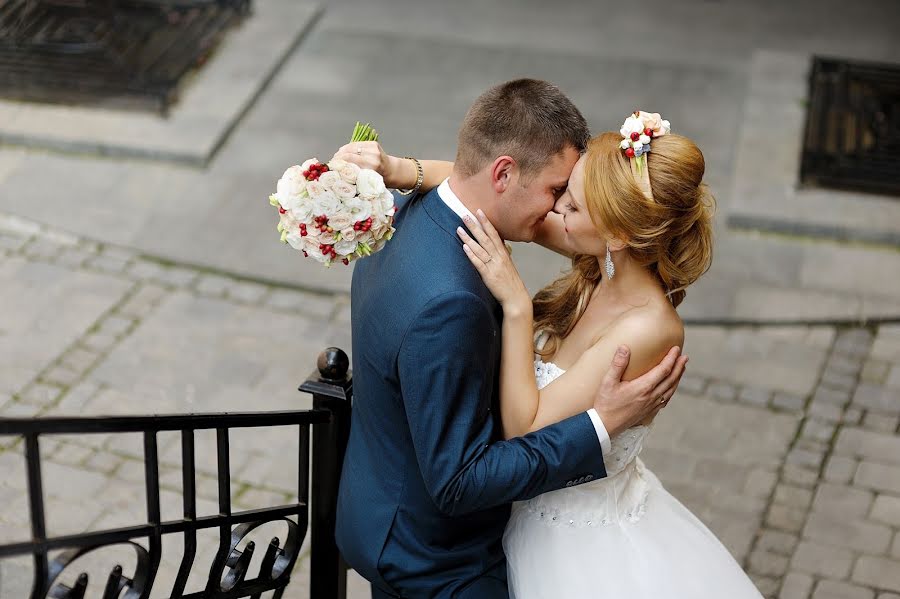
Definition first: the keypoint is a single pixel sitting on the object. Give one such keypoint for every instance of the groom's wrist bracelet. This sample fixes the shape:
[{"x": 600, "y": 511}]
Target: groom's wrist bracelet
[{"x": 420, "y": 177}]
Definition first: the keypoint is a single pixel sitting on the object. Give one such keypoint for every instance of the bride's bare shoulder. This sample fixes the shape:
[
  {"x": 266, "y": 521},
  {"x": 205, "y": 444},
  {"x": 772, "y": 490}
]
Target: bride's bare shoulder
[{"x": 649, "y": 332}]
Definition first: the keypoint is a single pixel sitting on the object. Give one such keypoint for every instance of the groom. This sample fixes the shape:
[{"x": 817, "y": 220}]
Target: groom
[{"x": 428, "y": 480}]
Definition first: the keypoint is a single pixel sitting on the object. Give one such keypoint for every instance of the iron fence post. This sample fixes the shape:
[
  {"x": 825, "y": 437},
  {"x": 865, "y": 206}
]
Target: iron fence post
[{"x": 331, "y": 386}]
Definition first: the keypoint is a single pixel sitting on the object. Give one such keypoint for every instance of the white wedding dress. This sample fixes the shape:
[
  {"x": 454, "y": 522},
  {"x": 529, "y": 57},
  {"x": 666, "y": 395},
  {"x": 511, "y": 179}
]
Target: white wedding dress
[{"x": 623, "y": 536}]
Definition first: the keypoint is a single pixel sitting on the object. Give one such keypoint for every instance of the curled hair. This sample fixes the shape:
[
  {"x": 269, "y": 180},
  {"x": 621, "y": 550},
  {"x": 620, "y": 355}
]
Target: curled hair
[{"x": 671, "y": 234}]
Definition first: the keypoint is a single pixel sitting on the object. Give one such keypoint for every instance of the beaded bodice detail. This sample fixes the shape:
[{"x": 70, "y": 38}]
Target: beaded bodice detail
[{"x": 619, "y": 498}]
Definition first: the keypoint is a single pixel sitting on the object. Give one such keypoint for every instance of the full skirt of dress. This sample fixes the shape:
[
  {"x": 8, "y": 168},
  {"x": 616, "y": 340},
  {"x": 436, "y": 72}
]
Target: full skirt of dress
[{"x": 659, "y": 551}]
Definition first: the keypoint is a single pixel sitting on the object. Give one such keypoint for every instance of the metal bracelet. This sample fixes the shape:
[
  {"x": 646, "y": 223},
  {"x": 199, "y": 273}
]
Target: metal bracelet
[{"x": 420, "y": 177}]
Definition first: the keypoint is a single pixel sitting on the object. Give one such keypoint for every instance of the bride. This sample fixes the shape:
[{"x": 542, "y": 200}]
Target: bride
[{"x": 637, "y": 226}]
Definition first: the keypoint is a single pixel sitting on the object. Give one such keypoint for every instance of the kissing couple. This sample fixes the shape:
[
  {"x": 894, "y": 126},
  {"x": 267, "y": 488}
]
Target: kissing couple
[{"x": 495, "y": 437}]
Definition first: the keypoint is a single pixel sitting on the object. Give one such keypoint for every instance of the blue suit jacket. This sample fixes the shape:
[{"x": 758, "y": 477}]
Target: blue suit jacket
[{"x": 427, "y": 480}]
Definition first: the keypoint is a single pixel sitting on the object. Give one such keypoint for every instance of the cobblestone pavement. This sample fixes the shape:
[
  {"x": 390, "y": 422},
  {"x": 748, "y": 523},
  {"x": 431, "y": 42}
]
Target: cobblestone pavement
[{"x": 783, "y": 439}]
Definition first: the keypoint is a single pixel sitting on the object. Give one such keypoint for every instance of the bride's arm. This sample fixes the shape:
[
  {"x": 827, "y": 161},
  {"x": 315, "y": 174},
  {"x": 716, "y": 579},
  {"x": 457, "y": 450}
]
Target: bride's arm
[
  {"x": 524, "y": 408},
  {"x": 398, "y": 173},
  {"x": 572, "y": 392}
]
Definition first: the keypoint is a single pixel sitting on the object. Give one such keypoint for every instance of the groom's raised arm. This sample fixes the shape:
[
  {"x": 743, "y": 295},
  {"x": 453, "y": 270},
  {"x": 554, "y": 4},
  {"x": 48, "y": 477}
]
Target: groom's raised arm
[{"x": 446, "y": 375}]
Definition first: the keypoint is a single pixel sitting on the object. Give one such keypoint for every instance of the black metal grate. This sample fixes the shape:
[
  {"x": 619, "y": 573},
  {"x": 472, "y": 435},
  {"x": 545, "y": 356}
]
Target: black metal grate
[
  {"x": 119, "y": 53},
  {"x": 852, "y": 138}
]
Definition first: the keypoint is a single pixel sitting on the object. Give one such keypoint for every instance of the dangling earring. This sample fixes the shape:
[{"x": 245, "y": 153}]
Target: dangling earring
[{"x": 610, "y": 267}]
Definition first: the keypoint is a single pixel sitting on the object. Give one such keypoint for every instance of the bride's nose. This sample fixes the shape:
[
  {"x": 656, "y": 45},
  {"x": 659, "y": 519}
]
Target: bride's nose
[{"x": 558, "y": 206}]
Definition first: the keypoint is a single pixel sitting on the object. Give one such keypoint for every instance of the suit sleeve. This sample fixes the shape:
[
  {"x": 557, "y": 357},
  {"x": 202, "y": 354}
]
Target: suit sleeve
[{"x": 446, "y": 370}]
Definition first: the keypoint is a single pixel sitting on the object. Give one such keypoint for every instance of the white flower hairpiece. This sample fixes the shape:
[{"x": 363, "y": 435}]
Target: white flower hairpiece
[{"x": 638, "y": 131}]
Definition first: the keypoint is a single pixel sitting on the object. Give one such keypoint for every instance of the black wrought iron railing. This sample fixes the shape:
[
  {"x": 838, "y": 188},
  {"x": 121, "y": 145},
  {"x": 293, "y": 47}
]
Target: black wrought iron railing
[{"x": 323, "y": 429}]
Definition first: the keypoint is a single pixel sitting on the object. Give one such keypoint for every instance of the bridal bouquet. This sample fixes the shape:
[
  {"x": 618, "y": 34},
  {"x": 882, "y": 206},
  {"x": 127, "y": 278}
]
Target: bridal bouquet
[{"x": 336, "y": 210}]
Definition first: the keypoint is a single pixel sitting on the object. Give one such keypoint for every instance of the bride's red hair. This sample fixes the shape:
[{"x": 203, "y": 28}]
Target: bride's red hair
[{"x": 671, "y": 234}]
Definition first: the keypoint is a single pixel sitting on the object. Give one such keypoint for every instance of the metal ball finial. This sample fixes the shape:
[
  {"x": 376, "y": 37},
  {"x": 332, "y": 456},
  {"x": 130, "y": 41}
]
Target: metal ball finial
[{"x": 333, "y": 364}]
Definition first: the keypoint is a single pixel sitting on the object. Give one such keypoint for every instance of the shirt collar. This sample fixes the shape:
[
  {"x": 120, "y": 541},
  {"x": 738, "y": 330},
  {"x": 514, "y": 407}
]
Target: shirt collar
[{"x": 452, "y": 201}]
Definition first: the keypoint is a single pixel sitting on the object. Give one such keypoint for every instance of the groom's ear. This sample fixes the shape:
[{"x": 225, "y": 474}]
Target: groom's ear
[{"x": 503, "y": 172}]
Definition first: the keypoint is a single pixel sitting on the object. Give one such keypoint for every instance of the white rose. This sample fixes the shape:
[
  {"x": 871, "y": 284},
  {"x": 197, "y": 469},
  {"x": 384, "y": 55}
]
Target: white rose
[
  {"x": 387, "y": 203},
  {"x": 365, "y": 237},
  {"x": 329, "y": 178},
  {"x": 360, "y": 209},
  {"x": 378, "y": 245},
  {"x": 287, "y": 222},
  {"x": 625, "y": 143},
  {"x": 291, "y": 185},
  {"x": 340, "y": 221},
  {"x": 345, "y": 247},
  {"x": 315, "y": 189},
  {"x": 370, "y": 184},
  {"x": 326, "y": 203},
  {"x": 637, "y": 145},
  {"x": 311, "y": 245},
  {"x": 349, "y": 234},
  {"x": 631, "y": 125},
  {"x": 305, "y": 166},
  {"x": 295, "y": 240},
  {"x": 294, "y": 172},
  {"x": 644, "y": 139},
  {"x": 349, "y": 172},
  {"x": 343, "y": 190},
  {"x": 381, "y": 231},
  {"x": 301, "y": 209}
]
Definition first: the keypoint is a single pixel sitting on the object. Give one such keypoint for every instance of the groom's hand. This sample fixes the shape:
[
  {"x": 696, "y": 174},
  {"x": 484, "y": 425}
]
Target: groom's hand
[{"x": 622, "y": 404}]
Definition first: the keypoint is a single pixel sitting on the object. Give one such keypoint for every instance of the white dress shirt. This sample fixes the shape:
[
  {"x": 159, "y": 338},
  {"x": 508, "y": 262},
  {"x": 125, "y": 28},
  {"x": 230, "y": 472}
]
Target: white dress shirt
[{"x": 455, "y": 204}]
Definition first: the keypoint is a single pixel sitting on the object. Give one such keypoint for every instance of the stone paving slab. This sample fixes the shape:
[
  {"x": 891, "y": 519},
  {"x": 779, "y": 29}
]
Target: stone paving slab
[
  {"x": 44, "y": 308},
  {"x": 790, "y": 357},
  {"x": 212, "y": 103}
]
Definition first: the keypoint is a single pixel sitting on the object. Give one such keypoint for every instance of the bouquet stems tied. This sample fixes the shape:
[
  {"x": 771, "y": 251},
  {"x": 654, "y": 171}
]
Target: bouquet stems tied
[{"x": 364, "y": 133}]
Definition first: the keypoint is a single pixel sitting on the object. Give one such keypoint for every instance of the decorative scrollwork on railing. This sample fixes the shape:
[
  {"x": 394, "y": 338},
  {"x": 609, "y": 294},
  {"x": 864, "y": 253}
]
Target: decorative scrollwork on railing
[
  {"x": 322, "y": 431},
  {"x": 116, "y": 582}
]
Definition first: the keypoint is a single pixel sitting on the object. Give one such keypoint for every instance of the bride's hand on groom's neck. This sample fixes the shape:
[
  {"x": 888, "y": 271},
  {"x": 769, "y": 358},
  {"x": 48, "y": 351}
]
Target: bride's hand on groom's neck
[{"x": 623, "y": 404}]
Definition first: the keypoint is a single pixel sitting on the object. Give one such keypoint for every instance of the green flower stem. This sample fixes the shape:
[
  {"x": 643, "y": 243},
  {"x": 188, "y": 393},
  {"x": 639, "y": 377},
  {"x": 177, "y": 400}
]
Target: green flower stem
[{"x": 363, "y": 133}]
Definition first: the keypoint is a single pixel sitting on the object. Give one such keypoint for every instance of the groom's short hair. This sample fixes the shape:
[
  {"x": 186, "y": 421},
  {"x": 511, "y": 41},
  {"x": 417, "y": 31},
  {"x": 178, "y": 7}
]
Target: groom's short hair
[{"x": 530, "y": 120}]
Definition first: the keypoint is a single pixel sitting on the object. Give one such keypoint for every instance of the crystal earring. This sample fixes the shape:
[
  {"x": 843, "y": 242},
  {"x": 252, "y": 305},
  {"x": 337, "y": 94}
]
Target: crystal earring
[{"x": 610, "y": 267}]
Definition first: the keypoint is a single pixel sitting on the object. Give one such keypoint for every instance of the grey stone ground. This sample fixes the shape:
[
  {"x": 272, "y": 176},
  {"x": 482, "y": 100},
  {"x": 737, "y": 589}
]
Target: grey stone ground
[
  {"x": 783, "y": 439},
  {"x": 413, "y": 68}
]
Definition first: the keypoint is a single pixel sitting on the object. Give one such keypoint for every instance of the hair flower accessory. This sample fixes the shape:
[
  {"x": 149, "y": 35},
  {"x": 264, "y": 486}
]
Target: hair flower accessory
[{"x": 638, "y": 131}]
